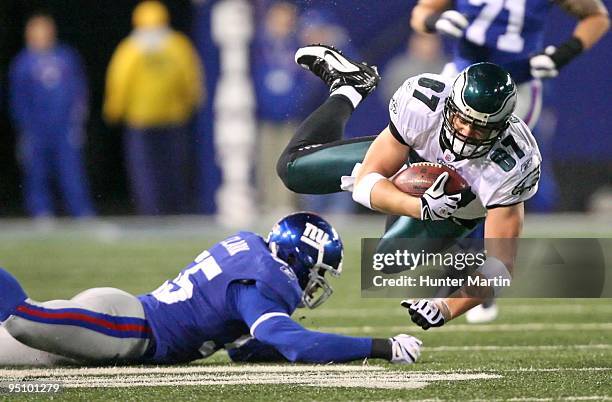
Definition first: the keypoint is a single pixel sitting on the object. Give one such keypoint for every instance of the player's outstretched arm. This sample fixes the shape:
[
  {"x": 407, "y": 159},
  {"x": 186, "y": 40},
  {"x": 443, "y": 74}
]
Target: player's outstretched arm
[
  {"x": 298, "y": 344},
  {"x": 270, "y": 324},
  {"x": 593, "y": 17},
  {"x": 593, "y": 23},
  {"x": 254, "y": 351},
  {"x": 501, "y": 223},
  {"x": 424, "y": 10}
]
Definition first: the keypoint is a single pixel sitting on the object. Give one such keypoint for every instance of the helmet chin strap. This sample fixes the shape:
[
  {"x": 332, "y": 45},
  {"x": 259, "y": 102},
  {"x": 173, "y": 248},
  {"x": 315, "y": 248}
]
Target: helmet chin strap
[
  {"x": 273, "y": 248},
  {"x": 447, "y": 145}
]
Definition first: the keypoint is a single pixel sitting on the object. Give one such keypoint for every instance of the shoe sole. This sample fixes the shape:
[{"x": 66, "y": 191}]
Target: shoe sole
[
  {"x": 336, "y": 60},
  {"x": 482, "y": 315}
]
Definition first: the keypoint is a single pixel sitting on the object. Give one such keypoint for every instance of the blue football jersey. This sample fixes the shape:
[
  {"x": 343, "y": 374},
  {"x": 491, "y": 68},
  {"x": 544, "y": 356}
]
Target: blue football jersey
[
  {"x": 48, "y": 90},
  {"x": 504, "y": 32},
  {"x": 192, "y": 316}
]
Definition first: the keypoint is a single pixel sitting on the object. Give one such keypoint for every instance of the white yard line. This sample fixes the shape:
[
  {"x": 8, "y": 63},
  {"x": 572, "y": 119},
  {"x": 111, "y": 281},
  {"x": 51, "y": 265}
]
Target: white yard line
[
  {"x": 364, "y": 376},
  {"x": 523, "y": 327},
  {"x": 320, "y": 376},
  {"x": 264, "y": 369},
  {"x": 257, "y": 368}
]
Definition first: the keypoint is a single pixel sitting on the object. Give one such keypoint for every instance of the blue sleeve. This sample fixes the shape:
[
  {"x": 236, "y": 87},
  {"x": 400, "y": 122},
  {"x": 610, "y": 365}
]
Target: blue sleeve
[
  {"x": 270, "y": 324},
  {"x": 80, "y": 90},
  {"x": 255, "y": 351},
  {"x": 18, "y": 90}
]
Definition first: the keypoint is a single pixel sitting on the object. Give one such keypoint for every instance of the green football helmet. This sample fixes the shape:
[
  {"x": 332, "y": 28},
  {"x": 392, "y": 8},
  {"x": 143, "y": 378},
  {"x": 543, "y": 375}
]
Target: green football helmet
[{"x": 484, "y": 96}]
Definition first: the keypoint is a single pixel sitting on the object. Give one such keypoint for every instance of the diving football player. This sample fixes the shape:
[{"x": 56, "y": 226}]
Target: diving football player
[
  {"x": 511, "y": 34},
  {"x": 466, "y": 123}
]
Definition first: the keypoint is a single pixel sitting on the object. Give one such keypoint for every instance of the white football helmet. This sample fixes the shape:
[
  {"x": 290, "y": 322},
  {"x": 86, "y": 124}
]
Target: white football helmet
[{"x": 484, "y": 96}]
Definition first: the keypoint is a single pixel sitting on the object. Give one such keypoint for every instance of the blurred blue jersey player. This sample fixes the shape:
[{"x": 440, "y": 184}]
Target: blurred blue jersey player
[
  {"x": 238, "y": 295},
  {"x": 510, "y": 33},
  {"x": 48, "y": 104}
]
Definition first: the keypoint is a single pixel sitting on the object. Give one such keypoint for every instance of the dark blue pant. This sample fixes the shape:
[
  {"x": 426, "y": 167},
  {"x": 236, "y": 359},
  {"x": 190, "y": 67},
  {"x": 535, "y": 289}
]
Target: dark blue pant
[
  {"x": 53, "y": 155},
  {"x": 156, "y": 160}
]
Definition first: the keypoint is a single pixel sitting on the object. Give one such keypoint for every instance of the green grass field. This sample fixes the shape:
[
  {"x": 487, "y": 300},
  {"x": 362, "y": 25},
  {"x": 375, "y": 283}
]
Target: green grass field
[{"x": 537, "y": 350}]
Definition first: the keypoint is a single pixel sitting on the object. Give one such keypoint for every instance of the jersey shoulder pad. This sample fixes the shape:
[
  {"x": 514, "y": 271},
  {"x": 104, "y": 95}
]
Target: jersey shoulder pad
[
  {"x": 276, "y": 280},
  {"x": 248, "y": 235},
  {"x": 517, "y": 159},
  {"x": 418, "y": 104}
]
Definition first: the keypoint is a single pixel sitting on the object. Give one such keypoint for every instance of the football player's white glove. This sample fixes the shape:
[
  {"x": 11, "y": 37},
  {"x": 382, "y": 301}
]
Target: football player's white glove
[
  {"x": 450, "y": 22},
  {"x": 548, "y": 63},
  {"x": 406, "y": 349},
  {"x": 437, "y": 205},
  {"x": 542, "y": 65},
  {"x": 427, "y": 313}
]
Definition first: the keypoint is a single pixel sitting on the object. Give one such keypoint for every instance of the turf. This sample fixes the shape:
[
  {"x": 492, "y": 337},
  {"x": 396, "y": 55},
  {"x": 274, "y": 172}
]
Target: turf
[{"x": 540, "y": 349}]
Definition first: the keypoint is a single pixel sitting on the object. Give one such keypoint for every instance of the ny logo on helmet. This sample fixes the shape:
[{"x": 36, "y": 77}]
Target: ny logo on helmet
[{"x": 313, "y": 236}]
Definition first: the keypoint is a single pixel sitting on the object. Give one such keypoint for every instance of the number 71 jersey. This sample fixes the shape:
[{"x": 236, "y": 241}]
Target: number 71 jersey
[
  {"x": 507, "y": 175},
  {"x": 504, "y": 32}
]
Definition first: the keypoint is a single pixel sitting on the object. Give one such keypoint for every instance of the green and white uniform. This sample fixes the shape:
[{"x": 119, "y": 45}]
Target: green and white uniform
[{"x": 506, "y": 175}]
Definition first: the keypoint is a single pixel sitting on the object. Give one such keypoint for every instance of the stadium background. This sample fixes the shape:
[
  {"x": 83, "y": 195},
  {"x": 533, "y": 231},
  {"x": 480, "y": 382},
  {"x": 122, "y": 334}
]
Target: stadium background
[
  {"x": 582, "y": 95},
  {"x": 538, "y": 350}
]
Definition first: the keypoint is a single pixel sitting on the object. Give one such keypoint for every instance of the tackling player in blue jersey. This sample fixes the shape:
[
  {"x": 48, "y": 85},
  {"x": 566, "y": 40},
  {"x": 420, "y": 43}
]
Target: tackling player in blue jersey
[{"x": 238, "y": 295}]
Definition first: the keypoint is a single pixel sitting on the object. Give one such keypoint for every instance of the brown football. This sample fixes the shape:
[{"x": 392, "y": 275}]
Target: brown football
[{"x": 420, "y": 176}]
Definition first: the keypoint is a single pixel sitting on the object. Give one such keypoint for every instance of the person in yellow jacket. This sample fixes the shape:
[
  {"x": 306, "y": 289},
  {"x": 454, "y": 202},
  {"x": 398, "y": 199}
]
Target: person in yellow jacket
[{"x": 154, "y": 85}]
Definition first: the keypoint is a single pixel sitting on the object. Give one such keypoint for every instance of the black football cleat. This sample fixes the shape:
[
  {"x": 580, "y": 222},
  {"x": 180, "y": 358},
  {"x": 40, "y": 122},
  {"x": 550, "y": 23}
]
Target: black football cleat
[{"x": 336, "y": 70}]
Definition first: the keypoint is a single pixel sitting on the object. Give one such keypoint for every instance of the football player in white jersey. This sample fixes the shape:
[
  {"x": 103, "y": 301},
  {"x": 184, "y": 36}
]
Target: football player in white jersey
[
  {"x": 510, "y": 34},
  {"x": 466, "y": 124}
]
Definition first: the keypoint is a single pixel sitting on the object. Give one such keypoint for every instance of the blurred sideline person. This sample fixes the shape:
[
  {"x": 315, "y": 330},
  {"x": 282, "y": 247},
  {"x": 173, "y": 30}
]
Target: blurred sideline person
[
  {"x": 49, "y": 106},
  {"x": 154, "y": 84},
  {"x": 466, "y": 124},
  {"x": 510, "y": 33},
  {"x": 277, "y": 81},
  {"x": 238, "y": 295}
]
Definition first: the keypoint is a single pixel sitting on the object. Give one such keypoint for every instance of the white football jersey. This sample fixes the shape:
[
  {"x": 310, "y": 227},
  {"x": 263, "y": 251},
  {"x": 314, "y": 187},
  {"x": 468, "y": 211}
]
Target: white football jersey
[{"x": 507, "y": 175}]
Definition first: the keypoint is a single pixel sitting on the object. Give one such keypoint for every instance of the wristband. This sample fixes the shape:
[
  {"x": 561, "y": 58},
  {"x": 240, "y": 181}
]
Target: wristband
[
  {"x": 444, "y": 309},
  {"x": 567, "y": 51},
  {"x": 363, "y": 189},
  {"x": 381, "y": 349}
]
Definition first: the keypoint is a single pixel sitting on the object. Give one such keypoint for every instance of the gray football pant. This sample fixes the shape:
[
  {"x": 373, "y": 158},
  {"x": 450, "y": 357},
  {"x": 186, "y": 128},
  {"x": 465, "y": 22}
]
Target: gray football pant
[{"x": 86, "y": 338}]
